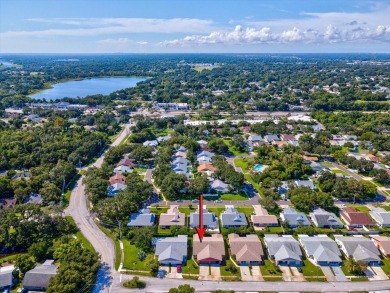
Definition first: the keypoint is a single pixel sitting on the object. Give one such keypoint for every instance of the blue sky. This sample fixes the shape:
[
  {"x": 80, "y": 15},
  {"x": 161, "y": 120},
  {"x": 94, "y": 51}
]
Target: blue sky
[{"x": 154, "y": 26}]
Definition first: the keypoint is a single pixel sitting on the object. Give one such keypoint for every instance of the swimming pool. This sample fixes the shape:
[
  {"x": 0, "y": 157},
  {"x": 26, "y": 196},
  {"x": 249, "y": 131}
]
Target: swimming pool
[{"x": 258, "y": 167}]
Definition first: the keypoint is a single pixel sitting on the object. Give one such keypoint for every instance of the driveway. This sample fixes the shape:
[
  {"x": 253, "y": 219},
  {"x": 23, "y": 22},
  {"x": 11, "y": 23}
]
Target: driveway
[
  {"x": 256, "y": 274},
  {"x": 328, "y": 274},
  {"x": 286, "y": 273},
  {"x": 297, "y": 276},
  {"x": 245, "y": 273},
  {"x": 174, "y": 274},
  {"x": 204, "y": 273},
  {"x": 376, "y": 274},
  {"x": 340, "y": 276},
  {"x": 215, "y": 272}
]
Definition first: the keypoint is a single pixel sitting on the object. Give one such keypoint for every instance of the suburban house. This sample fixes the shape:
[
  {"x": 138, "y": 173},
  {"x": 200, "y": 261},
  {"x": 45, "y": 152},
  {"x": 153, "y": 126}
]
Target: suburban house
[
  {"x": 321, "y": 249},
  {"x": 283, "y": 249},
  {"x": 231, "y": 218},
  {"x": 271, "y": 138},
  {"x": 38, "y": 278},
  {"x": 126, "y": 162},
  {"x": 179, "y": 154},
  {"x": 144, "y": 218},
  {"x": 34, "y": 198},
  {"x": 381, "y": 217},
  {"x": 117, "y": 178},
  {"x": 382, "y": 243},
  {"x": 308, "y": 159},
  {"x": 360, "y": 248},
  {"x": 294, "y": 218},
  {"x": 203, "y": 160},
  {"x": 305, "y": 183},
  {"x": 115, "y": 188},
  {"x": 261, "y": 218},
  {"x": 210, "y": 251},
  {"x": 286, "y": 137},
  {"x": 324, "y": 219},
  {"x": 205, "y": 154},
  {"x": 219, "y": 186},
  {"x": 247, "y": 250},
  {"x": 7, "y": 202},
  {"x": 255, "y": 138},
  {"x": 206, "y": 167},
  {"x": 122, "y": 169},
  {"x": 355, "y": 219},
  {"x": 161, "y": 139},
  {"x": 171, "y": 250},
  {"x": 151, "y": 143},
  {"x": 172, "y": 218},
  {"x": 7, "y": 280},
  {"x": 210, "y": 221}
]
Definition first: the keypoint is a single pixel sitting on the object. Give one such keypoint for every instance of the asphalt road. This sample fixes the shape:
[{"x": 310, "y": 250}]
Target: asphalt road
[
  {"x": 163, "y": 285},
  {"x": 85, "y": 222}
]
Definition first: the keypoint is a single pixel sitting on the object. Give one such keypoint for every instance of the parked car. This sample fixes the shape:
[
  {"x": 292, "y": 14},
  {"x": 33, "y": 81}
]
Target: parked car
[
  {"x": 179, "y": 200},
  {"x": 195, "y": 200},
  {"x": 218, "y": 201},
  {"x": 178, "y": 268}
]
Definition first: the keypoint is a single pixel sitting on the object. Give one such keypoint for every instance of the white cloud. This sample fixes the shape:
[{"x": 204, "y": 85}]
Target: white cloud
[
  {"x": 107, "y": 26},
  {"x": 264, "y": 35}
]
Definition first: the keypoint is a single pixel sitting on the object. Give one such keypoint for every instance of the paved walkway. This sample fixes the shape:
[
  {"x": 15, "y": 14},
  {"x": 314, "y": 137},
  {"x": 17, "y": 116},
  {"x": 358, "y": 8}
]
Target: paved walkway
[
  {"x": 328, "y": 274},
  {"x": 245, "y": 273}
]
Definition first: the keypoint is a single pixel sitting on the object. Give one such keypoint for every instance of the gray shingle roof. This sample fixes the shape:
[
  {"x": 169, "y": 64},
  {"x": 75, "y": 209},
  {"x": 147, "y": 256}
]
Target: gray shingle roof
[
  {"x": 322, "y": 248},
  {"x": 6, "y": 279},
  {"x": 282, "y": 248},
  {"x": 294, "y": 218},
  {"x": 307, "y": 183},
  {"x": 39, "y": 276},
  {"x": 141, "y": 219},
  {"x": 381, "y": 216},
  {"x": 171, "y": 248},
  {"x": 209, "y": 219},
  {"x": 231, "y": 217},
  {"x": 323, "y": 218},
  {"x": 360, "y": 248}
]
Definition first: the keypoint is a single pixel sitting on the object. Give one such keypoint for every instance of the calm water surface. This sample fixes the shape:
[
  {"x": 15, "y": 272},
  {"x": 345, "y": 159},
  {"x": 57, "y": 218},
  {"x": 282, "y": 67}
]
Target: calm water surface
[{"x": 85, "y": 87}]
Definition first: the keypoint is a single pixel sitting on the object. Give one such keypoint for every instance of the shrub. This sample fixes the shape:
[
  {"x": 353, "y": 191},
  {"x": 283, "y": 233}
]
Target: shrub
[{"x": 135, "y": 283}]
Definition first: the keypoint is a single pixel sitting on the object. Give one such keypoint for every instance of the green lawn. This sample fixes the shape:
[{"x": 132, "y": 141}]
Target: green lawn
[
  {"x": 248, "y": 211},
  {"x": 327, "y": 164},
  {"x": 254, "y": 184},
  {"x": 216, "y": 210},
  {"x": 190, "y": 268},
  {"x": 226, "y": 273},
  {"x": 187, "y": 210},
  {"x": 359, "y": 279},
  {"x": 270, "y": 269},
  {"x": 386, "y": 266},
  {"x": 243, "y": 163},
  {"x": 275, "y": 230},
  {"x": 131, "y": 261},
  {"x": 158, "y": 210},
  {"x": 273, "y": 278},
  {"x": 360, "y": 208},
  {"x": 232, "y": 149},
  {"x": 231, "y": 196},
  {"x": 80, "y": 235},
  {"x": 309, "y": 269},
  {"x": 340, "y": 172},
  {"x": 10, "y": 258}
]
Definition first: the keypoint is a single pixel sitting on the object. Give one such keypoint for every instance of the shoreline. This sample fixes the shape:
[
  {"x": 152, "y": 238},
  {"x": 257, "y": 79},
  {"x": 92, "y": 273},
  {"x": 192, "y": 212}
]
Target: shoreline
[{"x": 50, "y": 85}]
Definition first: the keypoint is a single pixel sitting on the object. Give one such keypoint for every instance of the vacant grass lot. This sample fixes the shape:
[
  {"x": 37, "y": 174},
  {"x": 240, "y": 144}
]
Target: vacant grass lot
[
  {"x": 232, "y": 149},
  {"x": 131, "y": 261},
  {"x": 270, "y": 269},
  {"x": 232, "y": 196},
  {"x": 226, "y": 273}
]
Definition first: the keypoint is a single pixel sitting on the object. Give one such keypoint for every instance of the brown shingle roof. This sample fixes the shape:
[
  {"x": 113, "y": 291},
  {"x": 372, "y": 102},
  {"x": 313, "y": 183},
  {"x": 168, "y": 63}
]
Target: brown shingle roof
[
  {"x": 354, "y": 217},
  {"x": 126, "y": 162},
  {"x": 383, "y": 243},
  {"x": 210, "y": 248},
  {"x": 117, "y": 178},
  {"x": 172, "y": 217},
  {"x": 246, "y": 248},
  {"x": 206, "y": 167}
]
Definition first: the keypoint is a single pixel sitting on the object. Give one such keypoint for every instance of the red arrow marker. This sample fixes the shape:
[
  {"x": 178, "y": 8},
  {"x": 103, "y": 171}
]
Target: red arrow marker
[{"x": 200, "y": 230}]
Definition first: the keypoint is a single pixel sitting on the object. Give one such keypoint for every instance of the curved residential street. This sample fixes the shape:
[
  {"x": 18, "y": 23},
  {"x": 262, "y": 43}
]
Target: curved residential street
[{"x": 110, "y": 280}]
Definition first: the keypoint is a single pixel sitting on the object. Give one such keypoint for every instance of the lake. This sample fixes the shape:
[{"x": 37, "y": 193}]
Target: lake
[
  {"x": 6, "y": 63},
  {"x": 86, "y": 87}
]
